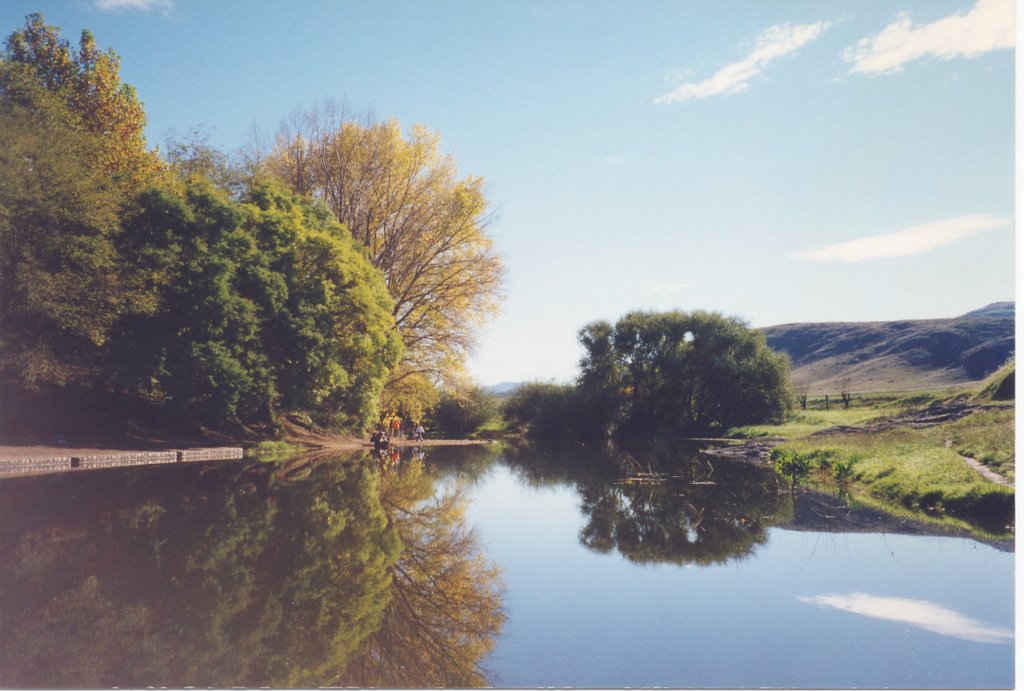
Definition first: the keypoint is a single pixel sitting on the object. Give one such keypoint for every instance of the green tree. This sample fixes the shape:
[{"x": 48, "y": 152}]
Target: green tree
[
  {"x": 331, "y": 341},
  {"x": 88, "y": 83},
  {"x": 543, "y": 410},
  {"x": 61, "y": 283},
  {"x": 460, "y": 413},
  {"x": 71, "y": 150},
  {"x": 425, "y": 228},
  {"x": 598, "y": 387},
  {"x": 680, "y": 373},
  {"x": 199, "y": 348},
  {"x": 260, "y": 306}
]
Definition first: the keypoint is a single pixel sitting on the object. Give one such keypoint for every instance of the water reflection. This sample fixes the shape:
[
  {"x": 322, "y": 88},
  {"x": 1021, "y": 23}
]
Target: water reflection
[
  {"x": 920, "y": 613},
  {"x": 307, "y": 574},
  {"x": 662, "y": 503},
  {"x": 446, "y": 608}
]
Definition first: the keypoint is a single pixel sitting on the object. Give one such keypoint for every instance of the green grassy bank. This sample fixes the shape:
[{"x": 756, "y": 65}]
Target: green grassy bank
[{"x": 903, "y": 468}]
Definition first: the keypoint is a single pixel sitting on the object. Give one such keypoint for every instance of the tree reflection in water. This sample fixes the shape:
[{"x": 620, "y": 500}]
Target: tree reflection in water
[
  {"x": 446, "y": 607},
  {"x": 240, "y": 574},
  {"x": 681, "y": 508}
]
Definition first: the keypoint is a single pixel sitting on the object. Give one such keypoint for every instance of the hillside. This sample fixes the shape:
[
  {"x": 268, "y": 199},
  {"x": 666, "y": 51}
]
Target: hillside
[{"x": 898, "y": 355}]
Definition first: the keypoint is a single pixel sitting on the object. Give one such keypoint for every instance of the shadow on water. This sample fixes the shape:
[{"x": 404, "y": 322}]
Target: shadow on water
[{"x": 323, "y": 572}]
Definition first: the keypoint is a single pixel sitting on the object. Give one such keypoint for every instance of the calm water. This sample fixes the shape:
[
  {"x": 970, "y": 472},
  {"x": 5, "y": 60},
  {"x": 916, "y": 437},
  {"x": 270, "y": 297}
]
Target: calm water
[{"x": 537, "y": 566}]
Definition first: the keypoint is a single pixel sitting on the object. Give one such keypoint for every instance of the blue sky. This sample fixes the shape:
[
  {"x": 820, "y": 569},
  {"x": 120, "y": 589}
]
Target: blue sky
[{"x": 777, "y": 161}]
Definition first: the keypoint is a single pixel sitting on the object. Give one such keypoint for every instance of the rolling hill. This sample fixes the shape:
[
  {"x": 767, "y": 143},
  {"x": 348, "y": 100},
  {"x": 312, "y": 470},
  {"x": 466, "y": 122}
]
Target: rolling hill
[{"x": 897, "y": 355}]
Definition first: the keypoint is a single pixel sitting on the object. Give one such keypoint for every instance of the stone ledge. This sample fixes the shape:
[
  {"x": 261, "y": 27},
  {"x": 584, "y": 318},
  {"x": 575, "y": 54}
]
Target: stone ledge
[{"x": 55, "y": 464}]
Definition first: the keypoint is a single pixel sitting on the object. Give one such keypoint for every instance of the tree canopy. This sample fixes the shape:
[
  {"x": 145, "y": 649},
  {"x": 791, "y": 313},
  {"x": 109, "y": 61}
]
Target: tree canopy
[
  {"x": 425, "y": 228},
  {"x": 261, "y": 306},
  {"x": 650, "y": 374},
  {"x": 37, "y": 58},
  {"x": 678, "y": 372},
  {"x": 61, "y": 284},
  {"x": 223, "y": 296}
]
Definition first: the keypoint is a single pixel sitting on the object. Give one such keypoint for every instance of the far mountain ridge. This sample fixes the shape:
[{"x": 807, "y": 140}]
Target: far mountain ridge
[{"x": 897, "y": 355}]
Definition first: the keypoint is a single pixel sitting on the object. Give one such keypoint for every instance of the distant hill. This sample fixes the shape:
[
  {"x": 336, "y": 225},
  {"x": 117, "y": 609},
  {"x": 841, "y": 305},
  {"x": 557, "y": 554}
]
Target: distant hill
[
  {"x": 504, "y": 388},
  {"x": 897, "y": 355},
  {"x": 996, "y": 309}
]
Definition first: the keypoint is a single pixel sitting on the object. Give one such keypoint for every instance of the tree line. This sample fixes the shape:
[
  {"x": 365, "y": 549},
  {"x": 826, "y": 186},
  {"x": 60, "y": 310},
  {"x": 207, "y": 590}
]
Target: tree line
[
  {"x": 342, "y": 269},
  {"x": 660, "y": 374}
]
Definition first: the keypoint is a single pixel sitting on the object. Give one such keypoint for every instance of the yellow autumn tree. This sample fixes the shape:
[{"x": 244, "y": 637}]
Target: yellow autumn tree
[
  {"x": 88, "y": 82},
  {"x": 424, "y": 226}
]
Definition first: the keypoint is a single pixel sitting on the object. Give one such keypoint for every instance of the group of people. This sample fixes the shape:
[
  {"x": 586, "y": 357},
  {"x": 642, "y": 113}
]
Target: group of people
[
  {"x": 381, "y": 439},
  {"x": 393, "y": 425}
]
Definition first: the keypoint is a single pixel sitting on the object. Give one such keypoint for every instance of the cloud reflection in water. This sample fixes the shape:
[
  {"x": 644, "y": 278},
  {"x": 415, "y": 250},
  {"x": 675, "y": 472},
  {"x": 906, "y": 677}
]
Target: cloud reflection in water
[{"x": 920, "y": 613}]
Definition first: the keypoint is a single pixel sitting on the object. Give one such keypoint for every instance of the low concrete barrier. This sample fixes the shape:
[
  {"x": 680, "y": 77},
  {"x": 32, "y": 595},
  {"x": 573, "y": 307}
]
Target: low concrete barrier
[
  {"x": 221, "y": 453},
  {"x": 58, "y": 464},
  {"x": 114, "y": 460},
  {"x": 19, "y": 466}
]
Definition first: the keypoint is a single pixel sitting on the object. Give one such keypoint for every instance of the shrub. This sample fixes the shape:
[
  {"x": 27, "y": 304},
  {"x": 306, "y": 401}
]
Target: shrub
[{"x": 460, "y": 414}]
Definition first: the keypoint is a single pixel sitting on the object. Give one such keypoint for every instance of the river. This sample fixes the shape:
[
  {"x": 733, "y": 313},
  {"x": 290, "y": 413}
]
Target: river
[{"x": 537, "y": 565}]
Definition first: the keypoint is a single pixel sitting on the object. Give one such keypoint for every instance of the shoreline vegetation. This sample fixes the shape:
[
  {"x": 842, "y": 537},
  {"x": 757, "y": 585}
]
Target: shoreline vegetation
[{"x": 944, "y": 456}]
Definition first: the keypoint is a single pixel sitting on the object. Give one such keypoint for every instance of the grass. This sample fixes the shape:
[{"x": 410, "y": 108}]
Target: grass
[
  {"x": 999, "y": 385},
  {"x": 987, "y": 436},
  {"x": 804, "y": 422},
  {"x": 903, "y": 470},
  {"x": 912, "y": 469}
]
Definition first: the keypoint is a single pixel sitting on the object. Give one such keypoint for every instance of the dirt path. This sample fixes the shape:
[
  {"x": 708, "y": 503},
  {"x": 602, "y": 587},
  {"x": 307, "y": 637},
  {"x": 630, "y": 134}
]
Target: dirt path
[{"x": 984, "y": 470}]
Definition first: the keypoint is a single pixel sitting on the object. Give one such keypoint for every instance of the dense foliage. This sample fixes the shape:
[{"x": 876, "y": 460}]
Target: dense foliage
[
  {"x": 61, "y": 285},
  {"x": 671, "y": 373},
  {"x": 681, "y": 372},
  {"x": 459, "y": 414},
  {"x": 226, "y": 298},
  {"x": 260, "y": 306},
  {"x": 37, "y": 61},
  {"x": 543, "y": 410},
  {"x": 425, "y": 228}
]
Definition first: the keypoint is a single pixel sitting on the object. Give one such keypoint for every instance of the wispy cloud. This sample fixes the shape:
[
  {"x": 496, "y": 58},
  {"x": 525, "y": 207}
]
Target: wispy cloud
[
  {"x": 989, "y": 25},
  {"x": 671, "y": 288},
  {"x": 775, "y": 42},
  {"x": 139, "y": 5},
  {"x": 909, "y": 241},
  {"x": 920, "y": 613}
]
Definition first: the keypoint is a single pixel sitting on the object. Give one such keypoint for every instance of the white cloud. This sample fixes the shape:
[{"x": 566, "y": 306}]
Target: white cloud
[
  {"x": 775, "y": 42},
  {"x": 920, "y": 613},
  {"x": 142, "y": 5},
  {"x": 989, "y": 25},
  {"x": 909, "y": 241}
]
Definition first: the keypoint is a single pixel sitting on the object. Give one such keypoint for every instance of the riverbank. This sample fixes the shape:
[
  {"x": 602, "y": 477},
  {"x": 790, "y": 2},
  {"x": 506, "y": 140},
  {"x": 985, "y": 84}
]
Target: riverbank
[{"x": 950, "y": 460}]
